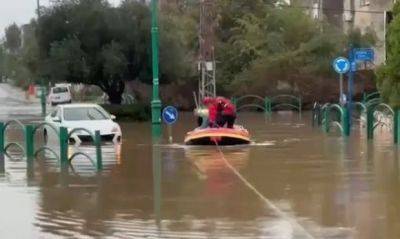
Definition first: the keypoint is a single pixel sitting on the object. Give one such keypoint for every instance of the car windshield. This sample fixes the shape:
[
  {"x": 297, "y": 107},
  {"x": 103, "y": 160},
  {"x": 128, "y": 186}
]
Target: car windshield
[
  {"x": 84, "y": 113},
  {"x": 57, "y": 90}
]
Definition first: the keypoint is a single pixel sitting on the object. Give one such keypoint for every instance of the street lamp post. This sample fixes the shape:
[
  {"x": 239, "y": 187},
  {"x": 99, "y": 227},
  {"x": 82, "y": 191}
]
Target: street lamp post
[
  {"x": 42, "y": 88},
  {"x": 156, "y": 102}
]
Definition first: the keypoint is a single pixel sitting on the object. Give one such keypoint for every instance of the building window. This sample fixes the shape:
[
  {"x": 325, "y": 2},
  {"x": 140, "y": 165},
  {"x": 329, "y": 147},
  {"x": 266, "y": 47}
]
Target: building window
[{"x": 364, "y": 3}]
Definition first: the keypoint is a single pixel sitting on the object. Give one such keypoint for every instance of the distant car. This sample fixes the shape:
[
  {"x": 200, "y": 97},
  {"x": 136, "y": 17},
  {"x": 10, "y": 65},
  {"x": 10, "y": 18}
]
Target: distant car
[
  {"x": 60, "y": 95},
  {"x": 89, "y": 116}
]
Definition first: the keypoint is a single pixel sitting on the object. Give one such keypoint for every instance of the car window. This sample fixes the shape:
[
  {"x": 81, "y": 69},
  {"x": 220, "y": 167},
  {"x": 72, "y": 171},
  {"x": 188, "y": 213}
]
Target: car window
[
  {"x": 58, "y": 90},
  {"x": 54, "y": 113},
  {"x": 84, "y": 113}
]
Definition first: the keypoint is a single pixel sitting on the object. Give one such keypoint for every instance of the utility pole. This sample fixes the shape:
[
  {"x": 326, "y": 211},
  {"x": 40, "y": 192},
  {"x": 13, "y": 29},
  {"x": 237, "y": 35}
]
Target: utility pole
[
  {"x": 207, "y": 59},
  {"x": 156, "y": 102}
]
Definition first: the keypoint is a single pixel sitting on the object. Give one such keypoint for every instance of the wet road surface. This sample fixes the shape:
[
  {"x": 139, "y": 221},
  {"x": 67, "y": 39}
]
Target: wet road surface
[{"x": 296, "y": 183}]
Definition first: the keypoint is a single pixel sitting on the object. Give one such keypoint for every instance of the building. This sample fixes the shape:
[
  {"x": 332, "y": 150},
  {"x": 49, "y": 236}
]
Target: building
[
  {"x": 366, "y": 15},
  {"x": 370, "y": 15}
]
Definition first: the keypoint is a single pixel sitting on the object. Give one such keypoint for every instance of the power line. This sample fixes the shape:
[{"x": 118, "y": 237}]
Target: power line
[{"x": 334, "y": 10}]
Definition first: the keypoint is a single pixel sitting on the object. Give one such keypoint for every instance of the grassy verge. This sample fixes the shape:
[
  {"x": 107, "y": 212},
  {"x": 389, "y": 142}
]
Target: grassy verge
[{"x": 135, "y": 112}]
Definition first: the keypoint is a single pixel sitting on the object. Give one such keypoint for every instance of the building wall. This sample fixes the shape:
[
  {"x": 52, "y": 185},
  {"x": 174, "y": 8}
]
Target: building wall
[
  {"x": 370, "y": 15},
  {"x": 348, "y": 14}
]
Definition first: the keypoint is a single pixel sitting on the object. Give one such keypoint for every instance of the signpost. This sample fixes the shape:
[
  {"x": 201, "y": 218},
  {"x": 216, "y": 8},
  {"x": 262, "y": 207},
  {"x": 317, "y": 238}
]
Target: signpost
[
  {"x": 356, "y": 55},
  {"x": 170, "y": 116},
  {"x": 341, "y": 66},
  {"x": 363, "y": 54}
]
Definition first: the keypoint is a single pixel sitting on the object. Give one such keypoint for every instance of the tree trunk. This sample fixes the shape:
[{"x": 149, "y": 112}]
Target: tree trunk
[
  {"x": 115, "y": 92},
  {"x": 114, "y": 97}
]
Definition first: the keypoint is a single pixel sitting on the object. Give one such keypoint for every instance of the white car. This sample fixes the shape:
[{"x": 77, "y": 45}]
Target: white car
[
  {"x": 60, "y": 95},
  {"x": 89, "y": 116}
]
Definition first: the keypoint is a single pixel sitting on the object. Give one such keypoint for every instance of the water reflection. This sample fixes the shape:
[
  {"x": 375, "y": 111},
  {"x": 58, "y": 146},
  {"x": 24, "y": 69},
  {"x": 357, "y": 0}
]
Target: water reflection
[
  {"x": 334, "y": 188},
  {"x": 210, "y": 167}
]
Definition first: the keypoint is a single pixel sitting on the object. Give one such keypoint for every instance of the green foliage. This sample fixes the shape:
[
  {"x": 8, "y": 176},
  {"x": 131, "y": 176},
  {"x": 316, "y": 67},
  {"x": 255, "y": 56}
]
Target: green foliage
[
  {"x": 91, "y": 42},
  {"x": 267, "y": 45},
  {"x": 388, "y": 75},
  {"x": 13, "y": 38},
  {"x": 178, "y": 44},
  {"x": 137, "y": 112}
]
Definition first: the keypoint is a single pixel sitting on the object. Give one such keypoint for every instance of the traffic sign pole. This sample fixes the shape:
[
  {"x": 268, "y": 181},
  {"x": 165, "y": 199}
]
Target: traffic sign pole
[
  {"x": 341, "y": 65},
  {"x": 350, "y": 83},
  {"x": 170, "y": 116},
  {"x": 341, "y": 89},
  {"x": 170, "y": 138}
]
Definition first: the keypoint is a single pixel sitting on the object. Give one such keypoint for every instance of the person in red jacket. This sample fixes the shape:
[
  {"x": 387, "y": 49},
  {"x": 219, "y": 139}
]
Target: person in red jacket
[
  {"x": 211, "y": 104},
  {"x": 228, "y": 112}
]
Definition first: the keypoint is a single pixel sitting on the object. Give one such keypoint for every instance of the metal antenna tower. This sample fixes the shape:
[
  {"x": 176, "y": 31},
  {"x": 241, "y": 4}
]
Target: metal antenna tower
[{"x": 206, "y": 63}]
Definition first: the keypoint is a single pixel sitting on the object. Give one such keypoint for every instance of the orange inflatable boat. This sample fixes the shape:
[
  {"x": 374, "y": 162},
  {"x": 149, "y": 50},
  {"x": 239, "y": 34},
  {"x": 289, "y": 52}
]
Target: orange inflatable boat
[{"x": 223, "y": 136}]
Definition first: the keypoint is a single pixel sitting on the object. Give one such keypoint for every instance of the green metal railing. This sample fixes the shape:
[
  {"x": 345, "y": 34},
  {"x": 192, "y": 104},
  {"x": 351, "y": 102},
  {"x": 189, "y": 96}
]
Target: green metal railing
[
  {"x": 268, "y": 104},
  {"x": 371, "y": 96},
  {"x": 29, "y": 132},
  {"x": 258, "y": 102},
  {"x": 287, "y": 101},
  {"x": 6, "y": 145},
  {"x": 96, "y": 137},
  {"x": 327, "y": 121},
  {"x": 369, "y": 109},
  {"x": 386, "y": 110}
]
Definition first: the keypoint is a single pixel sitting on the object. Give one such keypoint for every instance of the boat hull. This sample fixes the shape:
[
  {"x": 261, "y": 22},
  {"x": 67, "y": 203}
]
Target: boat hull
[{"x": 220, "y": 136}]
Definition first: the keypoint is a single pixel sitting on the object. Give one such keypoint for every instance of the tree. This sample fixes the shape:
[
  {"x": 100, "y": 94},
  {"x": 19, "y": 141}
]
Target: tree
[
  {"x": 2, "y": 63},
  {"x": 13, "y": 38},
  {"x": 262, "y": 45},
  {"x": 388, "y": 75},
  {"x": 90, "y": 42}
]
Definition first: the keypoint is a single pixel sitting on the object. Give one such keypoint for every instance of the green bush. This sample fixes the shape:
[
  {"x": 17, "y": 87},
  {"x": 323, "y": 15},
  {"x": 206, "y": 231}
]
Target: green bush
[{"x": 135, "y": 112}]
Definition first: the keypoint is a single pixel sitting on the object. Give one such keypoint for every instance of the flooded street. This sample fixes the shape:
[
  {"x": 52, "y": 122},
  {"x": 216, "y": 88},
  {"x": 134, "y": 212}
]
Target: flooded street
[{"x": 292, "y": 182}]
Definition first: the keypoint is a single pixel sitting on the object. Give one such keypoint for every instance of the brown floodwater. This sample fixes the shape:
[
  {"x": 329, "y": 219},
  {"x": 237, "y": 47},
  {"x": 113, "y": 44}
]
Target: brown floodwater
[{"x": 292, "y": 182}]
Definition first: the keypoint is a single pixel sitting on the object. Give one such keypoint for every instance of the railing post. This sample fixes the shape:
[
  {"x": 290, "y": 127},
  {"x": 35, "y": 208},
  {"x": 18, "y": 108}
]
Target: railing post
[
  {"x": 267, "y": 106},
  {"x": 370, "y": 122},
  {"x": 63, "y": 148},
  {"x": 345, "y": 121},
  {"x": 396, "y": 126},
  {"x": 2, "y": 142},
  {"x": 99, "y": 157},
  {"x": 2, "y": 138},
  {"x": 364, "y": 97},
  {"x": 300, "y": 106},
  {"x": 29, "y": 145},
  {"x": 325, "y": 126},
  {"x": 313, "y": 116}
]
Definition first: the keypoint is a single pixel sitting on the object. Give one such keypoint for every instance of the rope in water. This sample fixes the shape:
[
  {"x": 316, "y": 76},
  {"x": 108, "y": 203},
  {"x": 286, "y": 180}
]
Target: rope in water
[{"x": 262, "y": 197}]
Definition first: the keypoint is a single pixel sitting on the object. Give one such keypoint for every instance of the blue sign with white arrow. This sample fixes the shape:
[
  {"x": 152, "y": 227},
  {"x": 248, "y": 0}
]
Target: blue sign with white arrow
[
  {"x": 341, "y": 65},
  {"x": 170, "y": 115}
]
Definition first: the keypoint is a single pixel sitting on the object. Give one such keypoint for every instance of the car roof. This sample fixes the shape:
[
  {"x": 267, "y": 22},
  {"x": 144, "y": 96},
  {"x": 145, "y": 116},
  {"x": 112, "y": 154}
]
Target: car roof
[{"x": 78, "y": 105}]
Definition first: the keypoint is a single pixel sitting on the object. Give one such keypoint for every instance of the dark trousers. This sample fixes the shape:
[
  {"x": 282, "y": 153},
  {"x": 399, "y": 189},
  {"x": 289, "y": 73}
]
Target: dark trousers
[{"x": 229, "y": 120}]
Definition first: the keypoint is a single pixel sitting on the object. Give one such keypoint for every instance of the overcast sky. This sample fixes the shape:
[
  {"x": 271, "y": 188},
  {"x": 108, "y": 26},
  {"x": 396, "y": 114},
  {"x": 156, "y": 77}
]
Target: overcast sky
[{"x": 21, "y": 11}]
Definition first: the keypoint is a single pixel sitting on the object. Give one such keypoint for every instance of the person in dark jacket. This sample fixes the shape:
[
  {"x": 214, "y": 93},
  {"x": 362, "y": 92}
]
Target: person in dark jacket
[{"x": 228, "y": 112}]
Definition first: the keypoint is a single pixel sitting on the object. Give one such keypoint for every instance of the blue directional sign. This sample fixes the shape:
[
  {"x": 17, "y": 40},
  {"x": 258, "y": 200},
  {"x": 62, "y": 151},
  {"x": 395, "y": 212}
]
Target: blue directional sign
[
  {"x": 364, "y": 54},
  {"x": 341, "y": 65},
  {"x": 170, "y": 115}
]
